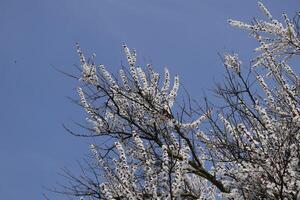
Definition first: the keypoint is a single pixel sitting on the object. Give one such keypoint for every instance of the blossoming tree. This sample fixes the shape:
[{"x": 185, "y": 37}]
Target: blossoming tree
[{"x": 156, "y": 147}]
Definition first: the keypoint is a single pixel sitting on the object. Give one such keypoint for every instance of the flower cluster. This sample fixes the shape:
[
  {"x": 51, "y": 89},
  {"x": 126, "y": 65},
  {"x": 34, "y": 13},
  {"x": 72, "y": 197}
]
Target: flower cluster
[{"x": 233, "y": 62}]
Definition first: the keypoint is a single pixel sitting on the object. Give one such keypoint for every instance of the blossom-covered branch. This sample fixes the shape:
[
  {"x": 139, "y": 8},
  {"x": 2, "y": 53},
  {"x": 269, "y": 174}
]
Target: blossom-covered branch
[{"x": 159, "y": 148}]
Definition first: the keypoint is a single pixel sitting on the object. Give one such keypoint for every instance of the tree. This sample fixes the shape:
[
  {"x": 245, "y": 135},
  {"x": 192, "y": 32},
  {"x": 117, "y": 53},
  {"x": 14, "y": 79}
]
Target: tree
[{"x": 155, "y": 148}]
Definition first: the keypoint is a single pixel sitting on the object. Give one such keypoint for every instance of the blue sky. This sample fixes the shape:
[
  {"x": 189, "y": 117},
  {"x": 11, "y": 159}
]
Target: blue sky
[{"x": 38, "y": 34}]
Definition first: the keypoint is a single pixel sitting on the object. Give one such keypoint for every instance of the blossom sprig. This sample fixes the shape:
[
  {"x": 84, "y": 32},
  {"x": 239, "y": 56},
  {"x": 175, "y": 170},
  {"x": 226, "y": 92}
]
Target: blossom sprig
[
  {"x": 89, "y": 72},
  {"x": 233, "y": 62}
]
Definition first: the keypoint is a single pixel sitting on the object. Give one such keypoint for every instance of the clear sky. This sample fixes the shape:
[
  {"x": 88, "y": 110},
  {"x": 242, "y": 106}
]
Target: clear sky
[{"x": 38, "y": 34}]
